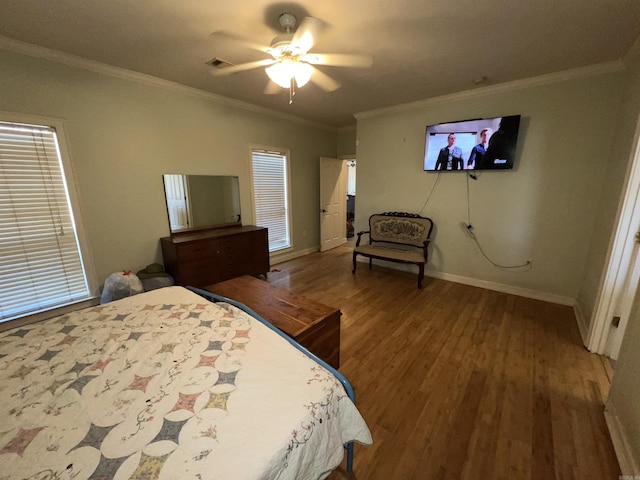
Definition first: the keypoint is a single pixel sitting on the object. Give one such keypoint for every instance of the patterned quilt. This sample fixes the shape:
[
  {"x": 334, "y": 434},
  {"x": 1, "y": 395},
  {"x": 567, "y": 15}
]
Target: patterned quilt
[{"x": 166, "y": 385}]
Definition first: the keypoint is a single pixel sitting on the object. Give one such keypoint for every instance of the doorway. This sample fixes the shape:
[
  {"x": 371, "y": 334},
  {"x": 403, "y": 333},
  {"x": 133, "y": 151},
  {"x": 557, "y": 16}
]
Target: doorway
[
  {"x": 333, "y": 199},
  {"x": 622, "y": 273}
]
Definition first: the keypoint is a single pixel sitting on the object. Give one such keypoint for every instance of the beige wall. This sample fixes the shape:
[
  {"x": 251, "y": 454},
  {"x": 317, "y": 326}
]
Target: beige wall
[
  {"x": 346, "y": 142},
  {"x": 544, "y": 210},
  {"x": 123, "y": 135}
]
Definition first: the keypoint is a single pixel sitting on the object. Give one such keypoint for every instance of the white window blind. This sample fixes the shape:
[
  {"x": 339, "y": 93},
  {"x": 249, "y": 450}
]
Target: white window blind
[
  {"x": 271, "y": 198},
  {"x": 40, "y": 259}
]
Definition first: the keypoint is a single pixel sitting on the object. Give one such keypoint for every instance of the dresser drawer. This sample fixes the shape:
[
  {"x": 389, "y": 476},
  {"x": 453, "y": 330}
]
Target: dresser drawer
[
  {"x": 196, "y": 250},
  {"x": 198, "y": 273}
]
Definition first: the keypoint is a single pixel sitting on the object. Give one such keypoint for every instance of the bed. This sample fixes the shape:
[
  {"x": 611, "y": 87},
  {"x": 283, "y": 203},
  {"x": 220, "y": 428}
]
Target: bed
[{"x": 168, "y": 385}]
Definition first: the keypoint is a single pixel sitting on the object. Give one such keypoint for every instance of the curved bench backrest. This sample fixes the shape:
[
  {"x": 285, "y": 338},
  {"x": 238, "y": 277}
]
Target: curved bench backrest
[{"x": 399, "y": 227}]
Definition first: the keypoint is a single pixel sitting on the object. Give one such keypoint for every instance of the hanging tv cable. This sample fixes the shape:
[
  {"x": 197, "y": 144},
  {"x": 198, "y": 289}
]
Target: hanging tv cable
[
  {"x": 433, "y": 189},
  {"x": 468, "y": 227}
]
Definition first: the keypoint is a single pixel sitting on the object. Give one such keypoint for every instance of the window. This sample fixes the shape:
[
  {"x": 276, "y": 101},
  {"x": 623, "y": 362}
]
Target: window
[
  {"x": 271, "y": 195},
  {"x": 351, "y": 178},
  {"x": 41, "y": 264}
]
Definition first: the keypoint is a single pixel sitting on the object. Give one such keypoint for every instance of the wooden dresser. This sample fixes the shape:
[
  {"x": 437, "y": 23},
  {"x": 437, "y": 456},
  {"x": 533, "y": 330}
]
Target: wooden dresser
[
  {"x": 312, "y": 324},
  {"x": 202, "y": 258}
]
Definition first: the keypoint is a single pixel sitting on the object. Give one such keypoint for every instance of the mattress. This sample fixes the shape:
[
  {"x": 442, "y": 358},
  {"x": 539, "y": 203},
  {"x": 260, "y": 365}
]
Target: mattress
[{"x": 167, "y": 385}]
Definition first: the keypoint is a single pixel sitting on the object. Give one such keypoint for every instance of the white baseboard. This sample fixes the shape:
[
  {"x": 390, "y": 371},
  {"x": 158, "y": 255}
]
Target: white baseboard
[
  {"x": 497, "y": 287},
  {"x": 582, "y": 324},
  {"x": 621, "y": 445},
  {"x": 292, "y": 255}
]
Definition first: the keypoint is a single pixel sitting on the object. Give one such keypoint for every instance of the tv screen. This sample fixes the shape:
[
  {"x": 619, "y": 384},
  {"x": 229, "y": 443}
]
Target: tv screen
[{"x": 479, "y": 144}]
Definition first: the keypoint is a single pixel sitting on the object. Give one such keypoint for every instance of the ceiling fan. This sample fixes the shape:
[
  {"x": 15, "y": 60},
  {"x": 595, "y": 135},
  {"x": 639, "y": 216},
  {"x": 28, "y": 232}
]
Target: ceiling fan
[{"x": 291, "y": 65}]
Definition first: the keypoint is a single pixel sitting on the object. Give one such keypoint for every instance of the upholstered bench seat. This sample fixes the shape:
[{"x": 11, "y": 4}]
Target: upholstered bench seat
[
  {"x": 389, "y": 230},
  {"x": 386, "y": 253}
]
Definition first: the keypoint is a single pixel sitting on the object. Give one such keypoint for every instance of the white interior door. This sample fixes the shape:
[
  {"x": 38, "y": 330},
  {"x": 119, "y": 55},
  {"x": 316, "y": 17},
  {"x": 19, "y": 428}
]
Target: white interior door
[
  {"x": 333, "y": 203},
  {"x": 624, "y": 304}
]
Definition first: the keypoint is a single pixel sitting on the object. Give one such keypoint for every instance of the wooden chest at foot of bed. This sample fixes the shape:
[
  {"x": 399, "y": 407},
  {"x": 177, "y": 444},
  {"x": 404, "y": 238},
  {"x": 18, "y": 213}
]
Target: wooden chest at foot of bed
[{"x": 313, "y": 325}]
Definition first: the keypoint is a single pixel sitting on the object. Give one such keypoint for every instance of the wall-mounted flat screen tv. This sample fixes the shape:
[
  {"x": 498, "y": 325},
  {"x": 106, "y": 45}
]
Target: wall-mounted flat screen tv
[{"x": 479, "y": 144}]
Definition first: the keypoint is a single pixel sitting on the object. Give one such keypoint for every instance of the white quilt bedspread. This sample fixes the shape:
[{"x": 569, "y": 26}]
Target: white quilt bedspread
[{"x": 166, "y": 385}]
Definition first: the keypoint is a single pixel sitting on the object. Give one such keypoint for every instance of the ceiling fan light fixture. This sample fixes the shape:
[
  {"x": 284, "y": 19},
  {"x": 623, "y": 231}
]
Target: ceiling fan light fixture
[
  {"x": 283, "y": 71},
  {"x": 303, "y": 73}
]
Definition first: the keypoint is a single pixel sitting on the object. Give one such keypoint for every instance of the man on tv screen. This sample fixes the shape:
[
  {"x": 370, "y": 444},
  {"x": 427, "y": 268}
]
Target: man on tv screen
[
  {"x": 478, "y": 152},
  {"x": 450, "y": 157}
]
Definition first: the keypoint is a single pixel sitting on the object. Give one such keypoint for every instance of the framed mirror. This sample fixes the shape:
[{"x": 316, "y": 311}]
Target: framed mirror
[{"x": 197, "y": 202}]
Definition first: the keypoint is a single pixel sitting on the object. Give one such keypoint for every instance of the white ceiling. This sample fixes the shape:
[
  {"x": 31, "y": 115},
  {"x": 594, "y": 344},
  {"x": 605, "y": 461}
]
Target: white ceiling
[{"x": 420, "y": 49}]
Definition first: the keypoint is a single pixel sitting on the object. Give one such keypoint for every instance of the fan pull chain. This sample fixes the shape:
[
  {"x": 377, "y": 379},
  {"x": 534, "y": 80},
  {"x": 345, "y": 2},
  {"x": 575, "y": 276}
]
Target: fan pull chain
[{"x": 292, "y": 90}]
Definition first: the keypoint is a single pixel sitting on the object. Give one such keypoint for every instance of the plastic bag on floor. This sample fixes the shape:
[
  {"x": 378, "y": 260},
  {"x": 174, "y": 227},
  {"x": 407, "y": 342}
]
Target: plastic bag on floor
[{"x": 120, "y": 285}]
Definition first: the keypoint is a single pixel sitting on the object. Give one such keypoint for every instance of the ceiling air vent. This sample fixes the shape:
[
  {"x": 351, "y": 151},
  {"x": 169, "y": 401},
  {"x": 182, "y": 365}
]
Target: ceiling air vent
[{"x": 219, "y": 63}]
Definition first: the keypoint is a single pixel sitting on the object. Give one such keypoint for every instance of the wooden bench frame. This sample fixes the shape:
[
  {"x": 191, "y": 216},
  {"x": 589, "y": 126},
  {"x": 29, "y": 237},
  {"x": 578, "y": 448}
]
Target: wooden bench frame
[{"x": 396, "y": 228}]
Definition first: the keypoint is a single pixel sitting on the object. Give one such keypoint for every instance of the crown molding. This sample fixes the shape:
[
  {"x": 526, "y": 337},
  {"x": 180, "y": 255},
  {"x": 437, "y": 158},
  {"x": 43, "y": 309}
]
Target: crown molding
[
  {"x": 347, "y": 128},
  {"x": 592, "y": 70},
  {"x": 36, "y": 51}
]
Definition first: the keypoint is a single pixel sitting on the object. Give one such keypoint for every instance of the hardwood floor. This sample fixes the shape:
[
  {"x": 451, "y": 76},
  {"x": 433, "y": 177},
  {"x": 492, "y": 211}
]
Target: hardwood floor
[{"x": 458, "y": 382}]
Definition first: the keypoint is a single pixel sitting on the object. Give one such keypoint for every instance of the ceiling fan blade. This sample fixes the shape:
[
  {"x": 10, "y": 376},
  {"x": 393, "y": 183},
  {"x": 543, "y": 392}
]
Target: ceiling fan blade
[
  {"x": 238, "y": 39},
  {"x": 339, "y": 59},
  {"x": 226, "y": 71},
  {"x": 307, "y": 33},
  {"x": 272, "y": 88},
  {"x": 323, "y": 80}
]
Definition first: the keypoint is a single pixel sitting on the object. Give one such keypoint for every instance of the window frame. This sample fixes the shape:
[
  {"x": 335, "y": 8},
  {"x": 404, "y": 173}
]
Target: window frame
[
  {"x": 289, "y": 213},
  {"x": 72, "y": 192}
]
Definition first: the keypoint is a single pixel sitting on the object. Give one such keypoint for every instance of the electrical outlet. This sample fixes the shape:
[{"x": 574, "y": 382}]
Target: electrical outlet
[{"x": 467, "y": 228}]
